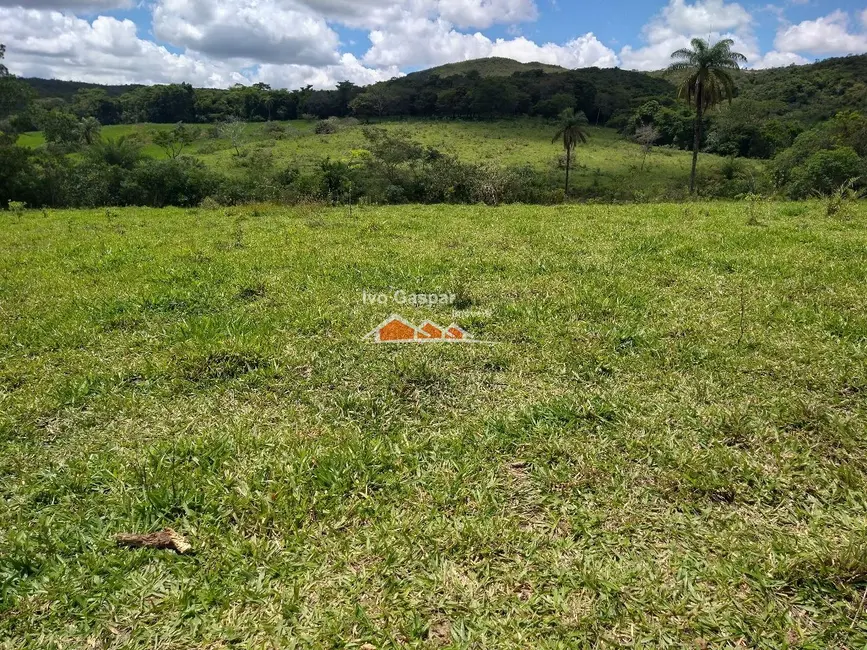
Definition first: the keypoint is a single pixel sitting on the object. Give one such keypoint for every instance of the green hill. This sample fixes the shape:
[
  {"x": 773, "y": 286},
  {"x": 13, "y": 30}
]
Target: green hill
[{"x": 489, "y": 67}]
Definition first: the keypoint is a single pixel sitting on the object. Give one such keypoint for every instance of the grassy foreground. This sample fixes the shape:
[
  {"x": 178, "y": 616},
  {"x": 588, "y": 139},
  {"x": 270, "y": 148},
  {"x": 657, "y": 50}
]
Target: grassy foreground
[{"x": 665, "y": 448}]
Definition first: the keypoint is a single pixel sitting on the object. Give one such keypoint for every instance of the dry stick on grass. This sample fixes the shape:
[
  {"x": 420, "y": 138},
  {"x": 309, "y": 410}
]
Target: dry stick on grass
[{"x": 165, "y": 539}]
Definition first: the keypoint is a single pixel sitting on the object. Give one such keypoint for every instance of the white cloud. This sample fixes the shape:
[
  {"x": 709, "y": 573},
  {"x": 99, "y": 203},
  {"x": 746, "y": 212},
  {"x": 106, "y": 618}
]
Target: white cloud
[
  {"x": 775, "y": 59},
  {"x": 294, "y": 42},
  {"x": 72, "y": 5},
  {"x": 484, "y": 13},
  {"x": 257, "y": 30},
  {"x": 55, "y": 45},
  {"x": 582, "y": 52},
  {"x": 826, "y": 35},
  {"x": 413, "y": 41},
  {"x": 704, "y": 17},
  {"x": 375, "y": 14},
  {"x": 679, "y": 22},
  {"x": 52, "y": 44},
  {"x": 864, "y": 18},
  {"x": 349, "y": 68}
]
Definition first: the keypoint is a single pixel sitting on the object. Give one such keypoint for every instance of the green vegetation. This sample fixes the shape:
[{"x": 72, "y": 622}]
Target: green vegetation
[
  {"x": 706, "y": 80},
  {"x": 664, "y": 448},
  {"x": 456, "y": 162},
  {"x": 573, "y": 130},
  {"x": 489, "y": 67},
  {"x": 786, "y": 119}
]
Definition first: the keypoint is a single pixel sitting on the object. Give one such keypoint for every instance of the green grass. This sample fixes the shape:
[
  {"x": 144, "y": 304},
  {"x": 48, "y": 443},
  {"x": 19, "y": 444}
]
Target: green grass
[
  {"x": 608, "y": 161},
  {"x": 664, "y": 449}
]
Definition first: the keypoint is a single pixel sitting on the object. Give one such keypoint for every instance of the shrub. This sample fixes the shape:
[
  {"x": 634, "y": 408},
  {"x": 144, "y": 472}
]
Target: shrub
[
  {"x": 840, "y": 202},
  {"x": 731, "y": 167},
  {"x": 287, "y": 176},
  {"x": 16, "y": 165},
  {"x": 335, "y": 179},
  {"x": 183, "y": 182},
  {"x": 824, "y": 172},
  {"x": 274, "y": 130},
  {"x": 209, "y": 203},
  {"x": 121, "y": 152},
  {"x": 324, "y": 127},
  {"x": 17, "y": 207}
]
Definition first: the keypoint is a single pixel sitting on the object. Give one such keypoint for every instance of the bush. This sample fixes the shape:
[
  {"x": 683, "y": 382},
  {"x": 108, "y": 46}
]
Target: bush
[
  {"x": 121, "y": 152},
  {"x": 209, "y": 203},
  {"x": 183, "y": 182},
  {"x": 287, "y": 176},
  {"x": 16, "y": 174},
  {"x": 274, "y": 130},
  {"x": 324, "y": 127},
  {"x": 824, "y": 172}
]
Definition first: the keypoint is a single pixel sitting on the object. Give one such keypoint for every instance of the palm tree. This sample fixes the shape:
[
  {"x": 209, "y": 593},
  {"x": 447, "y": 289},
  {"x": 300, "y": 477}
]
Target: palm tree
[
  {"x": 572, "y": 130},
  {"x": 90, "y": 128},
  {"x": 122, "y": 152},
  {"x": 706, "y": 81}
]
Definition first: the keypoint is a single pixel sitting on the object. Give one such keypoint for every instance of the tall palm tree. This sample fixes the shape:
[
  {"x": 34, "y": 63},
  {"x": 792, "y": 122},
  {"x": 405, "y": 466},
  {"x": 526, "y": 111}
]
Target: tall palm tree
[
  {"x": 706, "y": 81},
  {"x": 572, "y": 130}
]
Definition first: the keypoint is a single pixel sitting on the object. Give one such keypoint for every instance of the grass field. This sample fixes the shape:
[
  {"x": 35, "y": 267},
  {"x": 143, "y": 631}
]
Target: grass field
[
  {"x": 608, "y": 160},
  {"x": 664, "y": 448}
]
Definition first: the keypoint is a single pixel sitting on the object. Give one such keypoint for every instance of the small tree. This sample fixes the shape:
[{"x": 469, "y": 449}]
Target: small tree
[
  {"x": 646, "y": 135},
  {"x": 175, "y": 140},
  {"x": 572, "y": 130},
  {"x": 90, "y": 129},
  {"x": 233, "y": 130},
  {"x": 61, "y": 128}
]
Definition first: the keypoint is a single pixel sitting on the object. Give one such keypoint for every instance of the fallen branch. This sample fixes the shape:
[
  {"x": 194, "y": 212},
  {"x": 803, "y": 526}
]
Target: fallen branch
[{"x": 165, "y": 539}]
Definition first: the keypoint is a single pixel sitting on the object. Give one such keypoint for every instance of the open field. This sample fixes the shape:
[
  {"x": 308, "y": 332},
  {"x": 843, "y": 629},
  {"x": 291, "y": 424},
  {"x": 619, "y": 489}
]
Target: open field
[
  {"x": 608, "y": 160},
  {"x": 665, "y": 448}
]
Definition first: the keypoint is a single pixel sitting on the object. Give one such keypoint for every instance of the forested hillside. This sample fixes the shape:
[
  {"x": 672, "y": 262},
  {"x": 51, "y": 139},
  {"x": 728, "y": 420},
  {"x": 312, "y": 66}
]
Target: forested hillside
[
  {"x": 808, "y": 121},
  {"x": 771, "y": 108},
  {"x": 494, "y": 66}
]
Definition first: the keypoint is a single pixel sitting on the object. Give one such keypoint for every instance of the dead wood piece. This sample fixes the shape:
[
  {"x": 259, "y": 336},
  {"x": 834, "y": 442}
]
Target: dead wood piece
[{"x": 167, "y": 539}]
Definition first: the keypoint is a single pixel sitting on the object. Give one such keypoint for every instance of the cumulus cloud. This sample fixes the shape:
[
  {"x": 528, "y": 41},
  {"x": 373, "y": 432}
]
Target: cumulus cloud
[
  {"x": 775, "y": 59},
  {"x": 72, "y": 5},
  {"x": 826, "y": 35},
  {"x": 679, "y": 22},
  {"x": 294, "y": 42},
  {"x": 703, "y": 17},
  {"x": 414, "y": 41},
  {"x": 374, "y": 14},
  {"x": 107, "y": 50},
  {"x": 484, "y": 13},
  {"x": 349, "y": 68},
  {"x": 586, "y": 51},
  {"x": 258, "y": 30}
]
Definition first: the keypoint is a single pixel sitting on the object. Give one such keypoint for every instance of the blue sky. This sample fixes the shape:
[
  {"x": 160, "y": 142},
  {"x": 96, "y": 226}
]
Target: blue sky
[{"x": 289, "y": 43}]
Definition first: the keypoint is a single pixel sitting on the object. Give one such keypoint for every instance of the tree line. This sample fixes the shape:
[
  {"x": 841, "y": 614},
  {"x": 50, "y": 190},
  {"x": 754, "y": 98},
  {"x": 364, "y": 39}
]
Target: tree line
[
  {"x": 811, "y": 153},
  {"x": 770, "y": 108}
]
